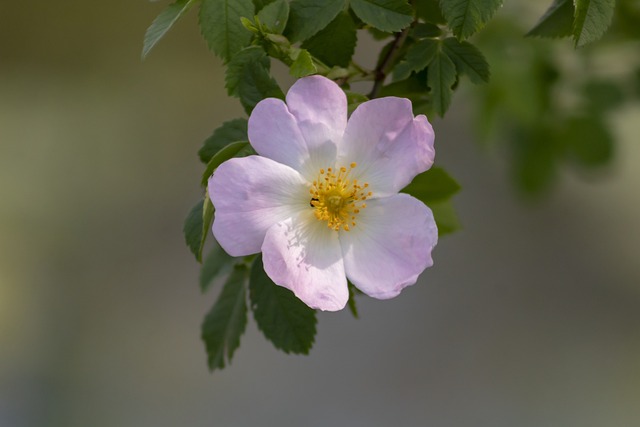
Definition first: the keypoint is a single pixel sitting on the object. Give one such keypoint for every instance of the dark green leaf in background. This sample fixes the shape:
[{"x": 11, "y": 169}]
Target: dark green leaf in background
[
  {"x": 468, "y": 59},
  {"x": 446, "y": 218},
  {"x": 441, "y": 77},
  {"x": 283, "y": 319},
  {"x": 197, "y": 226},
  {"x": 588, "y": 141},
  {"x": 603, "y": 94},
  {"x": 557, "y": 21},
  {"x": 207, "y": 221},
  {"x": 351, "y": 303},
  {"x": 465, "y": 17},
  {"x": 413, "y": 87},
  {"x": 354, "y": 99},
  {"x": 216, "y": 264},
  {"x": 592, "y": 18},
  {"x": 423, "y": 30},
  {"x": 535, "y": 159},
  {"x": 434, "y": 185},
  {"x": 307, "y": 17},
  {"x": 231, "y": 131},
  {"x": 245, "y": 58},
  {"x": 275, "y": 15},
  {"x": 377, "y": 34},
  {"x": 429, "y": 10},
  {"x": 335, "y": 44},
  {"x": 257, "y": 84},
  {"x": 385, "y": 15},
  {"x": 260, "y": 4},
  {"x": 193, "y": 229},
  {"x": 418, "y": 57},
  {"x": 235, "y": 149},
  {"x": 163, "y": 23},
  {"x": 227, "y": 320},
  {"x": 302, "y": 63},
  {"x": 221, "y": 27},
  {"x": 248, "y": 78}
]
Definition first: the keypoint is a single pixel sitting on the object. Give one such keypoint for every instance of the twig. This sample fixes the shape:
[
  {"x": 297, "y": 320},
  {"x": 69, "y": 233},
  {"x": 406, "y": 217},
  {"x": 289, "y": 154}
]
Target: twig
[{"x": 381, "y": 70}]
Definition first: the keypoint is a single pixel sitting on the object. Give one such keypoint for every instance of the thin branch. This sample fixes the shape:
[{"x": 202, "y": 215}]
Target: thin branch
[{"x": 381, "y": 70}]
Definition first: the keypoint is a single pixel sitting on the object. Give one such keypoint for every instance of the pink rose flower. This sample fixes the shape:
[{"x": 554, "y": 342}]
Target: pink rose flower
[{"x": 321, "y": 200}]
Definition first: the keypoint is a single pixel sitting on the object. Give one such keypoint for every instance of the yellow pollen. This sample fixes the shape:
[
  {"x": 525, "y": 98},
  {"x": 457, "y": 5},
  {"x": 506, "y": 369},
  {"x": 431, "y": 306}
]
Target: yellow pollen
[{"x": 338, "y": 199}]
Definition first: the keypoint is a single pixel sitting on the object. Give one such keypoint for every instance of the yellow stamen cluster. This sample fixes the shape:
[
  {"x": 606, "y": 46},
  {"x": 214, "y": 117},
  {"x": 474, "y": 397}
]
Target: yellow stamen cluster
[{"x": 337, "y": 199}]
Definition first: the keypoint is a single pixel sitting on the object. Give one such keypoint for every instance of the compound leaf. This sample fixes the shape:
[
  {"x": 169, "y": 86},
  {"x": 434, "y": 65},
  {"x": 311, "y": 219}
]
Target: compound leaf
[
  {"x": 465, "y": 17},
  {"x": 226, "y": 322},
  {"x": 221, "y": 27},
  {"x": 468, "y": 59},
  {"x": 283, "y": 319}
]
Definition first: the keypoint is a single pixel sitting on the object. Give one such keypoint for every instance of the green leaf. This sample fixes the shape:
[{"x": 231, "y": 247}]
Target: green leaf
[
  {"x": 603, "y": 94},
  {"x": 231, "y": 131},
  {"x": 302, "y": 63},
  {"x": 446, "y": 218},
  {"x": 197, "y": 226},
  {"x": 283, "y": 319},
  {"x": 207, "y": 220},
  {"x": 389, "y": 60},
  {"x": 243, "y": 59},
  {"x": 354, "y": 99},
  {"x": 592, "y": 18},
  {"x": 419, "y": 56},
  {"x": 588, "y": 141},
  {"x": 465, "y": 17},
  {"x": 226, "y": 322},
  {"x": 413, "y": 87},
  {"x": 274, "y": 16},
  {"x": 256, "y": 85},
  {"x": 261, "y": 4},
  {"x": 335, "y": 44},
  {"x": 423, "y": 30},
  {"x": 535, "y": 158},
  {"x": 216, "y": 264},
  {"x": 468, "y": 59},
  {"x": 192, "y": 229},
  {"x": 163, "y": 23},
  {"x": 377, "y": 34},
  {"x": 248, "y": 78},
  {"x": 221, "y": 27},
  {"x": 441, "y": 76},
  {"x": 434, "y": 185},
  {"x": 235, "y": 149},
  {"x": 307, "y": 17},
  {"x": 557, "y": 21},
  {"x": 429, "y": 10},
  {"x": 385, "y": 15},
  {"x": 351, "y": 303}
]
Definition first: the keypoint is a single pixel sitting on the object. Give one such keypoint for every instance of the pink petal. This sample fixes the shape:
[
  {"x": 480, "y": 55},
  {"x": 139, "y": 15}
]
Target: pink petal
[
  {"x": 304, "y": 132},
  {"x": 389, "y": 145},
  {"x": 320, "y": 108},
  {"x": 303, "y": 255},
  {"x": 251, "y": 194},
  {"x": 390, "y": 245},
  {"x": 274, "y": 133}
]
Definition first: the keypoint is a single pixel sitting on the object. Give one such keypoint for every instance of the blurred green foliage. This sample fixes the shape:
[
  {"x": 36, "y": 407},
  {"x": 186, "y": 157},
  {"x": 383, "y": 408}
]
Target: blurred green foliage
[{"x": 550, "y": 104}]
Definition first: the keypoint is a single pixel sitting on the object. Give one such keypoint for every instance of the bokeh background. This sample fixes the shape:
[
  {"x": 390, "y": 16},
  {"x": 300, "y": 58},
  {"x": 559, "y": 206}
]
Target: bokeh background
[{"x": 530, "y": 316}]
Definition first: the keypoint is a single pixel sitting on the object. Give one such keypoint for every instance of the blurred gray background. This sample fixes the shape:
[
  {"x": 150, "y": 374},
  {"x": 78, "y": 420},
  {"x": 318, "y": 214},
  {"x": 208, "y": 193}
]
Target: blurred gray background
[{"x": 530, "y": 316}]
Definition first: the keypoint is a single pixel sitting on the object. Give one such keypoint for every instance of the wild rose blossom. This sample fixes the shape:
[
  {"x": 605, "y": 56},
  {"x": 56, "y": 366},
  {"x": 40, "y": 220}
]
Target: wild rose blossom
[{"x": 321, "y": 200}]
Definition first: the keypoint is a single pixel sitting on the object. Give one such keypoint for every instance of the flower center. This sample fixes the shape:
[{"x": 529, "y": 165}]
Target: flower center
[{"x": 337, "y": 199}]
